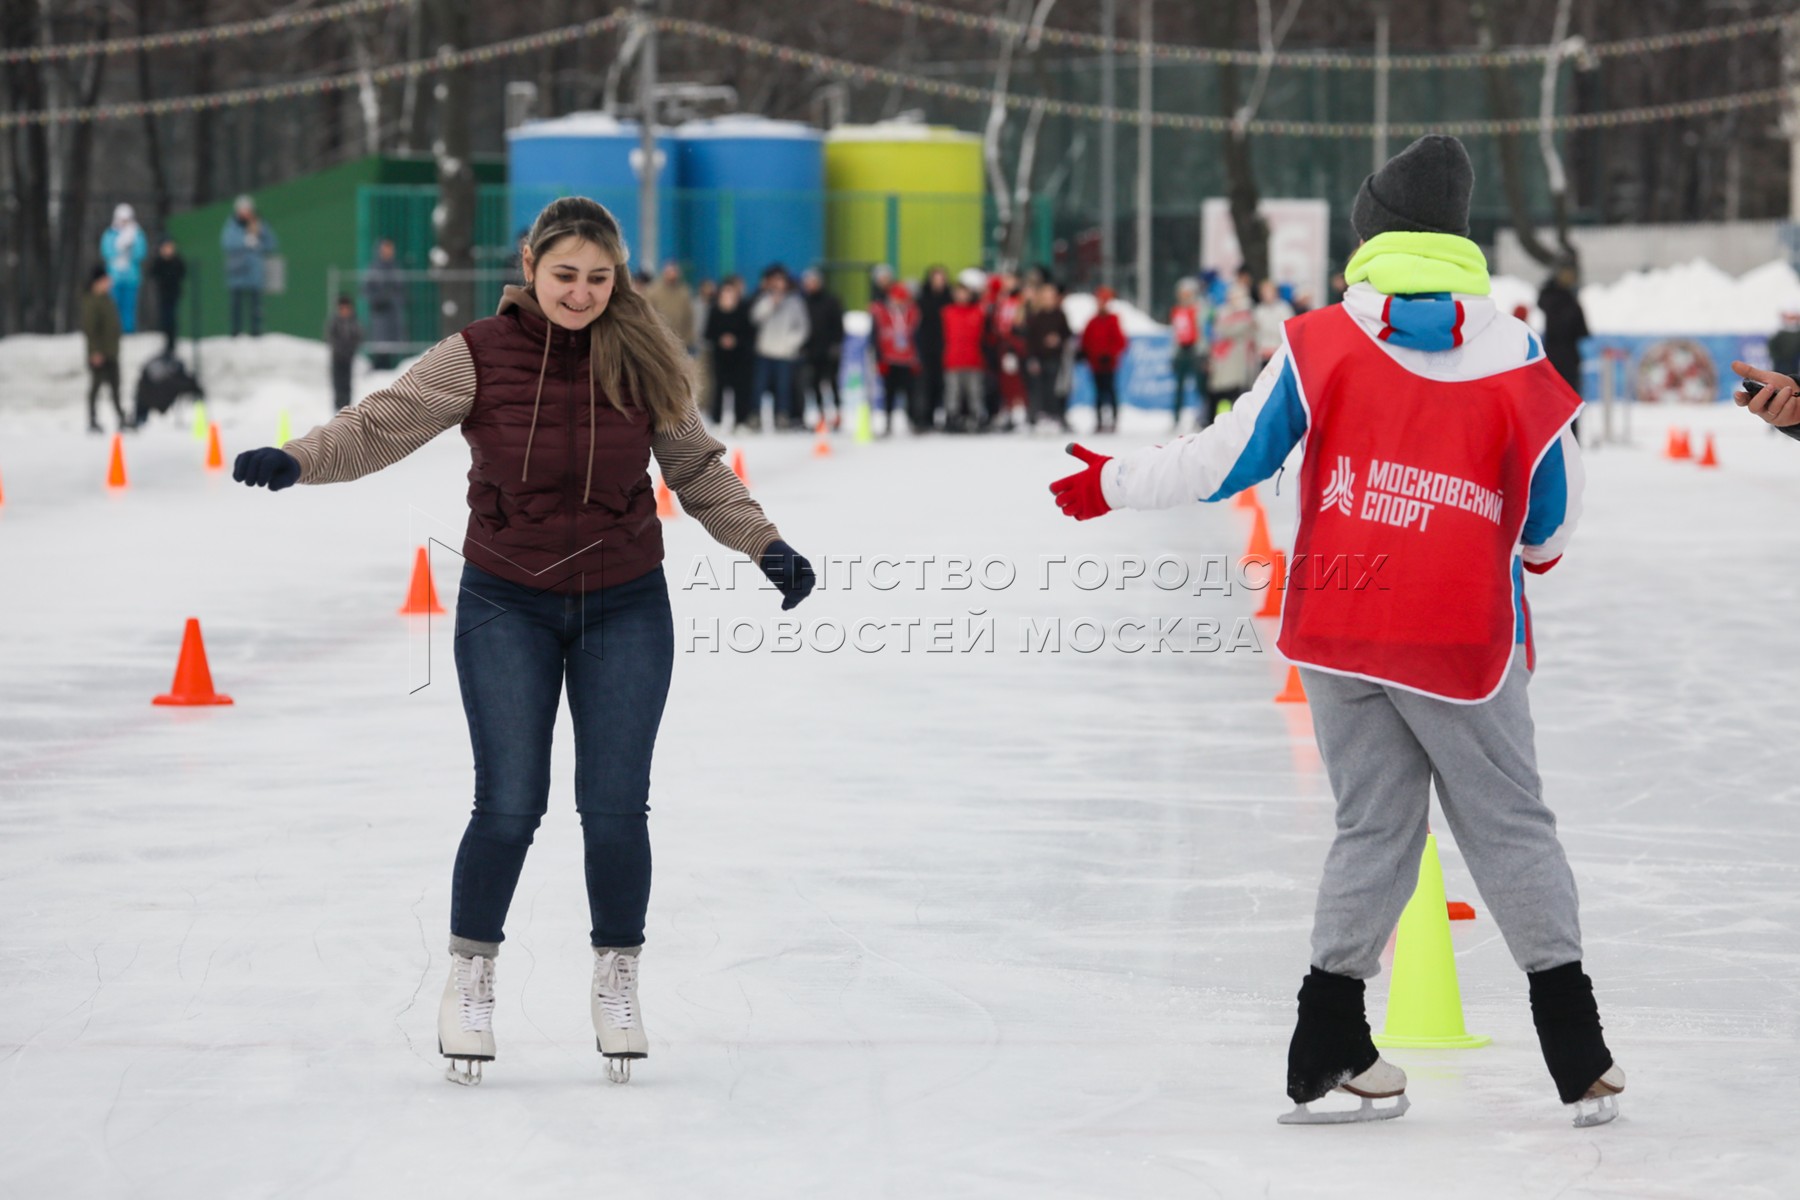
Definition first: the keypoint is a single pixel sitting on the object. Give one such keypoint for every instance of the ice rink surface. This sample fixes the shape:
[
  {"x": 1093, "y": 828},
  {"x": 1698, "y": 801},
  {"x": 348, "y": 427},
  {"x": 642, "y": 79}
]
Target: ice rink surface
[{"x": 961, "y": 924}]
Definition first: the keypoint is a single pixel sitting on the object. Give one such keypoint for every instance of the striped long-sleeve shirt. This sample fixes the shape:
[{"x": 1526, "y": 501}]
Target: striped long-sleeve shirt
[{"x": 438, "y": 392}]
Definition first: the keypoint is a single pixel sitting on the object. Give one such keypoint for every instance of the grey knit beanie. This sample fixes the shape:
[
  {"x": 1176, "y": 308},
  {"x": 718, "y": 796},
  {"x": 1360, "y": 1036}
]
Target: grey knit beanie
[{"x": 1423, "y": 189}]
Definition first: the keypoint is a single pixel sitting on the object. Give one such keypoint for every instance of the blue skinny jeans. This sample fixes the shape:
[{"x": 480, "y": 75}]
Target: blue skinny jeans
[{"x": 517, "y": 649}]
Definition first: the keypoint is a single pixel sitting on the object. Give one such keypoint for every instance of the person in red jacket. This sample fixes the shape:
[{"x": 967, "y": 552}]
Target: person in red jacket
[
  {"x": 1006, "y": 345},
  {"x": 897, "y": 350},
  {"x": 965, "y": 407},
  {"x": 1103, "y": 345}
]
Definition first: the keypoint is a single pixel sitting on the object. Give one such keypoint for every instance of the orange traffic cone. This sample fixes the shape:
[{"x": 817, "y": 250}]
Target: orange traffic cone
[
  {"x": 822, "y": 446},
  {"x": 1247, "y": 499},
  {"x": 665, "y": 500},
  {"x": 2, "y": 495},
  {"x": 1679, "y": 447},
  {"x": 1271, "y": 605},
  {"x": 421, "y": 597},
  {"x": 1260, "y": 546},
  {"x": 115, "y": 473},
  {"x": 1460, "y": 910},
  {"x": 1707, "y": 457},
  {"x": 1295, "y": 691},
  {"x": 738, "y": 468},
  {"x": 193, "y": 679},
  {"x": 215, "y": 455}
]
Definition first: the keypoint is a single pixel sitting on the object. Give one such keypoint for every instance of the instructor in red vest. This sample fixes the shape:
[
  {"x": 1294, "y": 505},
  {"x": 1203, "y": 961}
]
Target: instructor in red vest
[{"x": 1439, "y": 467}]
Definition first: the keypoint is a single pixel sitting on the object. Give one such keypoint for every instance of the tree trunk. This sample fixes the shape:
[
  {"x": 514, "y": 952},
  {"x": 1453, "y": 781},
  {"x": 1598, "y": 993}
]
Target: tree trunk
[
  {"x": 73, "y": 251},
  {"x": 455, "y": 216},
  {"x": 31, "y": 303},
  {"x": 153, "y": 150},
  {"x": 1240, "y": 171},
  {"x": 1512, "y": 166},
  {"x": 198, "y": 17},
  {"x": 415, "y": 101}
]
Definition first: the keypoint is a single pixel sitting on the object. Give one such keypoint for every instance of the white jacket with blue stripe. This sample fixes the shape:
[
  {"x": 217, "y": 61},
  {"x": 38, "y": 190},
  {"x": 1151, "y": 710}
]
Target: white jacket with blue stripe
[{"x": 1251, "y": 442}]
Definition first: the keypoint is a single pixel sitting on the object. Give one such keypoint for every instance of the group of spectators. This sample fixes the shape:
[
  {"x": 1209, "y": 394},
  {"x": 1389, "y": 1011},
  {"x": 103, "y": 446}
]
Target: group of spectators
[
  {"x": 780, "y": 342},
  {"x": 109, "y": 308}
]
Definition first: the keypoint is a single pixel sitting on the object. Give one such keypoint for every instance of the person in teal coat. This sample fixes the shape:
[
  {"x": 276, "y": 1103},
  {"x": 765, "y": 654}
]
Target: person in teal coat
[
  {"x": 247, "y": 243},
  {"x": 122, "y": 249}
]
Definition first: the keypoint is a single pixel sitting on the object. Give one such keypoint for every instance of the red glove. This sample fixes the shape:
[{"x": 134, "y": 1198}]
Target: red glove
[{"x": 1080, "y": 495}]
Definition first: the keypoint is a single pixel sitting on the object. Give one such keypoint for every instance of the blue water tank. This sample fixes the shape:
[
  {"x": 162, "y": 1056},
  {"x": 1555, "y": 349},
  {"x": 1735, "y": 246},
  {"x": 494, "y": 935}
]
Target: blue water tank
[
  {"x": 752, "y": 195},
  {"x": 593, "y": 155}
]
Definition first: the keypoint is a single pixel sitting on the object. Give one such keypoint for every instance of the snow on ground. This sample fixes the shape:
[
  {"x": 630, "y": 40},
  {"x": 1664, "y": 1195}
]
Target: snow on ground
[{"x": 948, "y": 924}]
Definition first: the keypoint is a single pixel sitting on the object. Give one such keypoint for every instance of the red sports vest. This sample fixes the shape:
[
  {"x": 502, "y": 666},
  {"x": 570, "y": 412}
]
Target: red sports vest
[{"x": 1413, "y": 493}]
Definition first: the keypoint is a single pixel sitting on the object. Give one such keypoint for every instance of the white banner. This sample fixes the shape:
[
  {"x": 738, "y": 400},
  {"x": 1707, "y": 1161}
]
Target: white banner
[{"x": 1299, "y": 243}]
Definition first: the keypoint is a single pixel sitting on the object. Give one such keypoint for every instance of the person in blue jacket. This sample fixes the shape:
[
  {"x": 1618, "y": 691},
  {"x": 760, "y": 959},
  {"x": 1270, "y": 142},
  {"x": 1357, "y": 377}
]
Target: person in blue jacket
[
  {"x": 247, "y": 242},
  {"x": 122, "y": 249}
]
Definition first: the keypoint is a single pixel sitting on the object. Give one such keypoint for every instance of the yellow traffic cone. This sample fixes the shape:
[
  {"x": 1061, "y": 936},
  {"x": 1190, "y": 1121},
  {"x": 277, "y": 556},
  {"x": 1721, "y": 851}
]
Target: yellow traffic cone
[
  {"x": 1424, "y": 1001},
  {"x": 865, "y": 428},
  {"x": 201, "y": 424},
  {"x": 284, "y": 429}
]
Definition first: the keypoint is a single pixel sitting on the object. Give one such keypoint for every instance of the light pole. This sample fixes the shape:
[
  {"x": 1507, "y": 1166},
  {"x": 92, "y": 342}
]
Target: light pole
[
  {"x": 647, "y": 255},
  {"x": 1145, "y": 298}
]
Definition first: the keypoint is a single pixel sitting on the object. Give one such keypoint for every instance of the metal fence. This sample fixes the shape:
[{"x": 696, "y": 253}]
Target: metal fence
[{"x": 415, "y": 324}]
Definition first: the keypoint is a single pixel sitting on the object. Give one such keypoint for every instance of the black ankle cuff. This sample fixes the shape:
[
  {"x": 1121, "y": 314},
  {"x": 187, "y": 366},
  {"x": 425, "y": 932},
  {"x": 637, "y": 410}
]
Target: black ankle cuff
[{"x": 1568, "y": 1028}]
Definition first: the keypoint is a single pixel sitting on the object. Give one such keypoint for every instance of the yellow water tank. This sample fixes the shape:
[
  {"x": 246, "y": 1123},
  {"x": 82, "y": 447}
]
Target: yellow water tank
[{"x": 904, "y": 194}]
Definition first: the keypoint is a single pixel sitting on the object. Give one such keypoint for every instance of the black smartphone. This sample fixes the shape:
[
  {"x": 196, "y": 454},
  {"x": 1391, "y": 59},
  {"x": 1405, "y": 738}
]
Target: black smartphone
[{"x": 1750, "y": 387}]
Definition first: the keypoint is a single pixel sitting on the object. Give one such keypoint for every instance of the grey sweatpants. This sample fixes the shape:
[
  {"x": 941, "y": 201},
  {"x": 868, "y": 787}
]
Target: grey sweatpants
[{"x": 1383, "y": 748}]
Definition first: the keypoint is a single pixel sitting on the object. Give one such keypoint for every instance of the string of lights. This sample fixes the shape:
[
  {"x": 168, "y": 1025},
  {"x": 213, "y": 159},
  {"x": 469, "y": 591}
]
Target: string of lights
[
  {"x": 866, "y": 73},
  {"x": 1334, "y": 60},
  {"x": 181, "y": 39}
]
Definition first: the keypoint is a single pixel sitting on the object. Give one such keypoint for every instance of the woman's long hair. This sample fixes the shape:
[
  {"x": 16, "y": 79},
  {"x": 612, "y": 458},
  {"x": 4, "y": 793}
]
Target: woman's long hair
[{"x": 635, "y": 353}]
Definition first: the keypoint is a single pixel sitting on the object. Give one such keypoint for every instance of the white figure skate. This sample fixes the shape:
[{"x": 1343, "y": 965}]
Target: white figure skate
[
  {"x": 1601, "y": 1103},
  {"x": 466, "y": 1018},
  {"x": 1383, "y": 1081},
  {"x": 618, "y": 1022}
]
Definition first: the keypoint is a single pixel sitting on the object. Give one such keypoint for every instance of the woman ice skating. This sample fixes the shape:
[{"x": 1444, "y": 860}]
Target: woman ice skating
[
  {"x": 1438, "y": 441},
  {"x": 563, "y": 397}
]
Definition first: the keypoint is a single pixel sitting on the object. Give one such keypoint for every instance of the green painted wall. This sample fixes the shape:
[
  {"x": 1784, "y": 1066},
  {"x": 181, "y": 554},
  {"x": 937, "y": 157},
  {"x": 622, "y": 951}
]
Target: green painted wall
[{"x": 315, "y": 219}]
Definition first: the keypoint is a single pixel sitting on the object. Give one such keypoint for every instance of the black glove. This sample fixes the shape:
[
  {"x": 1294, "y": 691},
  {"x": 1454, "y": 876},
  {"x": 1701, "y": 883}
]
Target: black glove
[
  {"x": 788, "y": 571},
  {"x": 267, "y": 467}
]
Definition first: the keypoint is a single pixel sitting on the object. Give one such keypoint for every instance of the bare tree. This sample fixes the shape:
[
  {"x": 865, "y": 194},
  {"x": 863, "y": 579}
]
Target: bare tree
[
  {"x": 81, "y": 81},
  {"x": 455, "y": 215},
  {"x": 1240, "y": 170},
  {"x": 30, "y": 302},
  {"x": 153, "y": 145},
  {"x": 1512, "y": 167},
  {"x": 1012, "y": 204},
  {"x": 198, "y": 15}
]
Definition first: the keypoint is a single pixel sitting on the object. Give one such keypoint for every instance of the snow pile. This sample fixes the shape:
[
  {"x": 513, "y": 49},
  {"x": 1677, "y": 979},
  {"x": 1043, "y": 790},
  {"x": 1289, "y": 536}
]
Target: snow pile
[
  {"x": 1079, "y": 308},
  {"x": 47, "y": 377},
  {"x": 1694, "y": 298}
]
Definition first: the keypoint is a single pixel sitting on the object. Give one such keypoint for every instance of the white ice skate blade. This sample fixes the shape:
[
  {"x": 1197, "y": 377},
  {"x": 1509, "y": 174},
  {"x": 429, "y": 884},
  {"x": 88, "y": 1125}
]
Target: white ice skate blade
[
  {"x": 1368, "y": 1111},
  {"x": 618, "y": 1066},
  {"x": 1597, "y": 1110},
  {"x": 468, "y": 1076}
]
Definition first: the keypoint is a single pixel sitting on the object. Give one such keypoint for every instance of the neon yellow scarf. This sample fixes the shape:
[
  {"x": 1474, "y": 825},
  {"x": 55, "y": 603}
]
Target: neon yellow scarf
[{"x": 1404, "y": 264}]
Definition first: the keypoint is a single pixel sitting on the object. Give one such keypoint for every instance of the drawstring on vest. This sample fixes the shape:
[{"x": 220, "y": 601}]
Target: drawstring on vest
[
  {"x": 589, "y": 485},
  {"x": 543, "y": 364},
  {"x": 537, "y": 398}
]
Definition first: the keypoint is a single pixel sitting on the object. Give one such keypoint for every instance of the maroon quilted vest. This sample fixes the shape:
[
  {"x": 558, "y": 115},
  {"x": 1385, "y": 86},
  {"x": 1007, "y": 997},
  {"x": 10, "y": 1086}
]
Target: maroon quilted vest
[{"x": 533, "y": 527}]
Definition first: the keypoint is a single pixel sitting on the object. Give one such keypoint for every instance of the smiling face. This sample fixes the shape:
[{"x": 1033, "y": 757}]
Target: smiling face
[{"x": 573, "y": 281}]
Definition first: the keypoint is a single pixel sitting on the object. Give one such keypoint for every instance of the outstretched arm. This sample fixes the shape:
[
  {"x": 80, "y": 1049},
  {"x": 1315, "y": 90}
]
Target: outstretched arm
[
  {"x": 693, "y": 466},
  {"x": 1241, "y": 448},
  {"x": 434, "y": 394}
]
